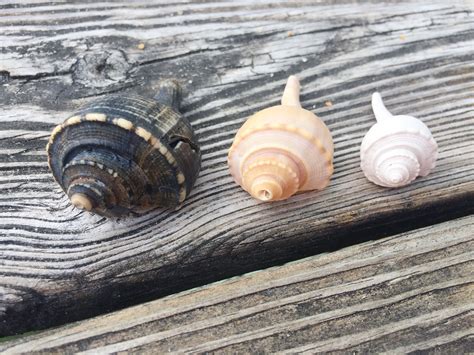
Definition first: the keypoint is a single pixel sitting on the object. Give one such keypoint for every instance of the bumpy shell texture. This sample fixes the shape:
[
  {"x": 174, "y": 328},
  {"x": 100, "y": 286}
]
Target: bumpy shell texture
[
  {"x": 397, "y": 149},
  {"x": 124, "y": 154},
  {"x": 281, "y": 150}
]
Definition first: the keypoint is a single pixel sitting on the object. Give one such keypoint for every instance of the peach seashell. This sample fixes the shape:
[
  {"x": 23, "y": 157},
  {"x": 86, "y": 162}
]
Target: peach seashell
[
  {"x": 397, "y": 149},
  {"x": 282, "y": 149}
]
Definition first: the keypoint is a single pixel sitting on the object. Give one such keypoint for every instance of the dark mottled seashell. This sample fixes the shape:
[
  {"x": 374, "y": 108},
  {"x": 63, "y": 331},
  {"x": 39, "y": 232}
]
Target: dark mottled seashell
[{"x": 126, "y": 154}]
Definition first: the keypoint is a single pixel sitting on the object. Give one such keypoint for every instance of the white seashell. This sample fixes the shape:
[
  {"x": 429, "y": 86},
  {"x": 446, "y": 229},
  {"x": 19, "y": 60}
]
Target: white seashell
[
  {"x": 397, "y": 149},
  {"x": 281, "y": 150}
]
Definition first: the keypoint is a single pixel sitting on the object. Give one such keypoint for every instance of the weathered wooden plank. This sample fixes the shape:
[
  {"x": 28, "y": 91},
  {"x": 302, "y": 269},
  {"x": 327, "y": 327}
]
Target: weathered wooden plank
[
  {"x": 409, "y": 292},
  {"x": 60, "y": 265}
]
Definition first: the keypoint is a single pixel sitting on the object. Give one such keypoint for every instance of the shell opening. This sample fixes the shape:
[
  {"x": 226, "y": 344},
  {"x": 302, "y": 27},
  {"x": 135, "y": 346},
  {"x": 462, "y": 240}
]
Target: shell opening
[
  {"x": 267, "y": 188},
  {"x": 264, "y": 195},
  {"x": 81, "y": 201},
  {"x": 396, "y": 176}
]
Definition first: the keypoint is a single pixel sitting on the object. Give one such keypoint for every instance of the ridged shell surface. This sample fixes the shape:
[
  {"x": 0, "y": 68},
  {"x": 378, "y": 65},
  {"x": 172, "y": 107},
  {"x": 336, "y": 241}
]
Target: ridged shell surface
[
  {"x": 123, "y": 155},
  {"x": 396, "y": 150},
  {"x": 281, "y": 150}
]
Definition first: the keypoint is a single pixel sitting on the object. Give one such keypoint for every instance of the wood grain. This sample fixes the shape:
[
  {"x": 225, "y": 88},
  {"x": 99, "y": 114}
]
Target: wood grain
[
  {"x": 60, "y": 265},
  {"x": 409, "y": 292}
]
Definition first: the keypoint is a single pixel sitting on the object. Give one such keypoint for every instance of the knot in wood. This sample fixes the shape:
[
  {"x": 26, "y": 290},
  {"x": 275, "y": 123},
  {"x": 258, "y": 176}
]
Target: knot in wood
[{"x": 101, "y": 69}]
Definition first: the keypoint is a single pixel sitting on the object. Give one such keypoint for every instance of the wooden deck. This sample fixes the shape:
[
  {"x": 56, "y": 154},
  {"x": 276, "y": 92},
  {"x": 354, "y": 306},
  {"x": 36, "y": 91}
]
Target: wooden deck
[
  {"x": 412, "y": 291},
  {"x": 59, "y": 265}
]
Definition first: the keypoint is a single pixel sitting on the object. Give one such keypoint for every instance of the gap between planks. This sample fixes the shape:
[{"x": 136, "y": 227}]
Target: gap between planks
[{"x": 404, "y": 293}]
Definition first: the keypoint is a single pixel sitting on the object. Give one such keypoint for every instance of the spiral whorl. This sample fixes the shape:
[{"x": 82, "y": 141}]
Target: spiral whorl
[
  {"x": 126, "y": 154},
  {"x": 396, "y": 167},
  {"x": 281, "y": 150},
  {"x": 270, "y": 176},
  {"x": 396, "y": 149}
]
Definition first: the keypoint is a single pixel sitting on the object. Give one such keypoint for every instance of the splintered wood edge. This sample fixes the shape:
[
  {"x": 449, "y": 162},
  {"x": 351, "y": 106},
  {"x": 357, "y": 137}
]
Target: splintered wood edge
[{"x": 403, "y": 293}]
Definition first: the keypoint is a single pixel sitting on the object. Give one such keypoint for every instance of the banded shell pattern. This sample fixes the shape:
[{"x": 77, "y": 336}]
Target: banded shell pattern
[
  {"x": 126, "y": 154},
  {"x": 397, "y": 149},
  {"x": 281, "y": 150}
]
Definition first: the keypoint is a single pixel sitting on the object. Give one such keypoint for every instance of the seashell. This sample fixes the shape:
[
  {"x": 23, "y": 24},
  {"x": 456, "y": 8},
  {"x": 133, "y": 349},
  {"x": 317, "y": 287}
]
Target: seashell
[
  {"x": 396, "y": 149},
  {"x": 282, "y": 149},
  {"x": 126, "y": 154}
]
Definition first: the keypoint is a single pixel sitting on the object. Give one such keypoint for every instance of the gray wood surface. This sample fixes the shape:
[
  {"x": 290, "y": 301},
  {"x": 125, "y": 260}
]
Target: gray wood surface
[
  {"x": 409, "y": 292},
  {"x": 59, "y": 264}
]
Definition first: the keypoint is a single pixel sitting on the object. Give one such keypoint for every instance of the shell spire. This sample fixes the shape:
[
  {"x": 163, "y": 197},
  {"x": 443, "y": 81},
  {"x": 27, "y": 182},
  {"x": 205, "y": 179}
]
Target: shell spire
[
  {"x": 125, "y": 155},
  {"x": 282, "y": 149},
  {"x": 396, "y": 149}
]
